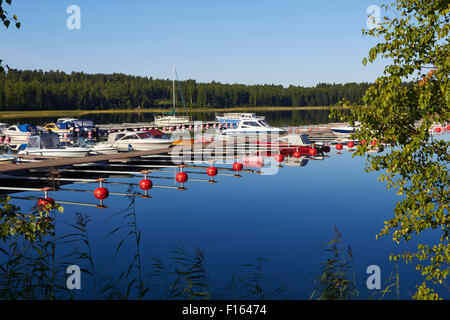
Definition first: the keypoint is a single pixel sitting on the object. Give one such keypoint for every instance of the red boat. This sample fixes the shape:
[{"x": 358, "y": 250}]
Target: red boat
[{"x": 288, "y": 144}]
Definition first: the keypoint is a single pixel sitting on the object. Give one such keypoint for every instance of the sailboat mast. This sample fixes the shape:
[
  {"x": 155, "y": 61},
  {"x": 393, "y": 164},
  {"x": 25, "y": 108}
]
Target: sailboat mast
[{"x": 174, "y": 92}]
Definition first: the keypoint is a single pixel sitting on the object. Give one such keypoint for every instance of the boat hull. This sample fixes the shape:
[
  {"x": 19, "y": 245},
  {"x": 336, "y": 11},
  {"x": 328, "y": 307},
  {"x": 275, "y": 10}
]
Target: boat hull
[
  {"x": 57, "y": 153},
  {"x": 142, "y": 146}
]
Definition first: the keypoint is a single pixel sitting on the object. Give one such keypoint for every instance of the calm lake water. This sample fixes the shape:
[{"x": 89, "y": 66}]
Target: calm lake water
[
  {"x": 276, "y": 118},
  {"x": 232, "y": 225}
]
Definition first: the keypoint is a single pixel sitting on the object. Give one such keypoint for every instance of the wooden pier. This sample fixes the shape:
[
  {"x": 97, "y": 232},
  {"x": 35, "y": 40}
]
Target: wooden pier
[
  {"x": 61, "y": 162},
  {"x": 149, "y": 125}
]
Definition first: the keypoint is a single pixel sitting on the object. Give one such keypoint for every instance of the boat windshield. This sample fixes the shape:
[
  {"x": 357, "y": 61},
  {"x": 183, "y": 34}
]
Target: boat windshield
[
  {"x": 251, "y": 124},
  {"x": 264, "y": 124},
  {"x": 84, "y": 123},
  {"x": 305, "y": 139},
  {"x": 143, "y": 135}
]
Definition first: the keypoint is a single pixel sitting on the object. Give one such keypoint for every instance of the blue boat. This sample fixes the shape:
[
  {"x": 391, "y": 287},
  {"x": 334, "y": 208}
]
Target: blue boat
[{"x": 20, "y": 131}]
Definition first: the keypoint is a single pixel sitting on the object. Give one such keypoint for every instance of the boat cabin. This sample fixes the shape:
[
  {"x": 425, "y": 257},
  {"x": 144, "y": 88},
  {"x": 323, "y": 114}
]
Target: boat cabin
[{"x": 44, "y": 141}]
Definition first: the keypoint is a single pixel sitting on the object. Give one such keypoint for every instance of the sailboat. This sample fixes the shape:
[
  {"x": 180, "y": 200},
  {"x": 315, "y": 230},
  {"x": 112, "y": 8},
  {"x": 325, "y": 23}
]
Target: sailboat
[{"x": 169, "y": 118}]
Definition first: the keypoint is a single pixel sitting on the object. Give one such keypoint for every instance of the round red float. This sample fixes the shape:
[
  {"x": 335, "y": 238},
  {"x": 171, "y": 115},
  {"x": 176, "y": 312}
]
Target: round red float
[
  {"x": 296, "y": 154},
  {"x": 101, "y": 193},
  {"x": 279, "y": 158},
  {"x": 312, "y": 151},
  {"x": 437, "y": 130},
  {"x": 181, "y": 177},
  {"x": 351, "y": 144},
  {"x": 374, "y": 142},
  {"x": 145, "y": 184},
  {"x": 237, "y": 166},
  {"x": 211, "y": 171},
  {"x": 339, "y": 146}
]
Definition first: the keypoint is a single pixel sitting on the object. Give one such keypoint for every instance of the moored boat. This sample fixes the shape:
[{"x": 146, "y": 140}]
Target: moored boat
[
  {"x": 139, "y": 140},
  {"x": 169, "y": 118},
  {"x": 288, "y": 144},
  {"x": 20, "y": 131},
  {"x": 250, "y": 126},
  {"x": 344, "y": 130},
  {"x": 48, "y": 144},
  {"x": 234, "y": 118}
]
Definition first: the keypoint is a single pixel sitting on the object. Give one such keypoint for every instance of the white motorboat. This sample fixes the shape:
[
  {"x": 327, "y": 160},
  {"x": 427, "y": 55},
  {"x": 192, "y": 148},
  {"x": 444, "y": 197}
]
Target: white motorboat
[
  {"x": 251, "y": 126},
  {"x": 48, "y": 144},
  {"x": 170, "y": 118},
  {"x": 234, "y": 118},
  {"x": 140, "y": 140},
  {"x": 344, "y": 130},
  {"x": 20, "y": 131}
]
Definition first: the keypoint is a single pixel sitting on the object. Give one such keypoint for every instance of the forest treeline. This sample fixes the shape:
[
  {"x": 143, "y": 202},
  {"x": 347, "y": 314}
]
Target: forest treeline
[{"x": 52, "y": 90}]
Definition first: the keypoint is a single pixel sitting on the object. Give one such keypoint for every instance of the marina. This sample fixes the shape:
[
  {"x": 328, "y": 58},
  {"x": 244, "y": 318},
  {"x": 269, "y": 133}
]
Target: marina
[{"x": 287, "y": 156}]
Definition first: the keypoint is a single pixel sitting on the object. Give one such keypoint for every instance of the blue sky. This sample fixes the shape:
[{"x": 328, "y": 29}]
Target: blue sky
[{"x": 283, "y": 42}]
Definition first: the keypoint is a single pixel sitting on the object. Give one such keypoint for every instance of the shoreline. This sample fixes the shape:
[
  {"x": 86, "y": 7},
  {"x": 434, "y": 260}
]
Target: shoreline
[{"x": 68, "y": 113}]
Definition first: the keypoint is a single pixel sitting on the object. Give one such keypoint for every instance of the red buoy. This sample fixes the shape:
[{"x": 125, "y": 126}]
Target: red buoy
[
  {"x": 351, "y": 144},
  {"x": 181, "y": 177},
  {"x": 237, "y": 166},
  {"x": 339, "y": 146},
  {"x": 374, "y": 142},
  {"x": 101, "y": 193},
  {"x": 448, "y": 127},
  {"x": 46, "y": 202},
  {"x": 326, "y": 149},
  {"x": 437, "y": 130},
  {"x": 279, "y": 158},
  {"x": 145, "y": 184},
  {"x": 296, "y": 154},
  {"x": 312, "y": 151},
  {"x": 363, "y": 142},
  {"x": 211, "y": 171}
]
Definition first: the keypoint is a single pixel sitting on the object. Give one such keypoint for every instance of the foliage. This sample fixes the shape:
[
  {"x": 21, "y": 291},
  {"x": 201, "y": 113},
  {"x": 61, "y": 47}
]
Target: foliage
[
  {"x": 337, "y": 280},
  {"x": 6, "y": 19},
  {"x": 27, "y": 254},
  {"x": 39, "y": 90},
  {"x": 400, "y": 116},
  {"x": 256, "y": 286},
  {"x": 31, "y": 226}
]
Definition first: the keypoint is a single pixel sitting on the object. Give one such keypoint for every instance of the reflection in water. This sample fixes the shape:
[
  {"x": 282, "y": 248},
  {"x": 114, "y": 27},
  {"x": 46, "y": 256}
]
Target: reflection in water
[
  {"x": 283, "y": 117},
  {"x": 34, "y": 258}
]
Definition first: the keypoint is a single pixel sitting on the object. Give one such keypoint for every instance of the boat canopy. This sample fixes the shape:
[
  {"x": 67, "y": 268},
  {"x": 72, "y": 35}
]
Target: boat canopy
[
  {"x": 44, "y": 141},
  {"x": 83, "y": 123},
  {"x": 64, "y": 126},
  {"x": 156, "y": 132},
  {"x": 26, "y": 127}
]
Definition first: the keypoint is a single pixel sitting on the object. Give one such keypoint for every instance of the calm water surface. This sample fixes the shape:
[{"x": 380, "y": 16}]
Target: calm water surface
[
  {"x": 276, "y": 118},
  {"x": 286, "y": 218}
]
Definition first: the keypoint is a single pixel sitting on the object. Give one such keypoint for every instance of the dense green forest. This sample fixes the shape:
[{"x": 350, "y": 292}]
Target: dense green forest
[{"x": 39, "y": 90}]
